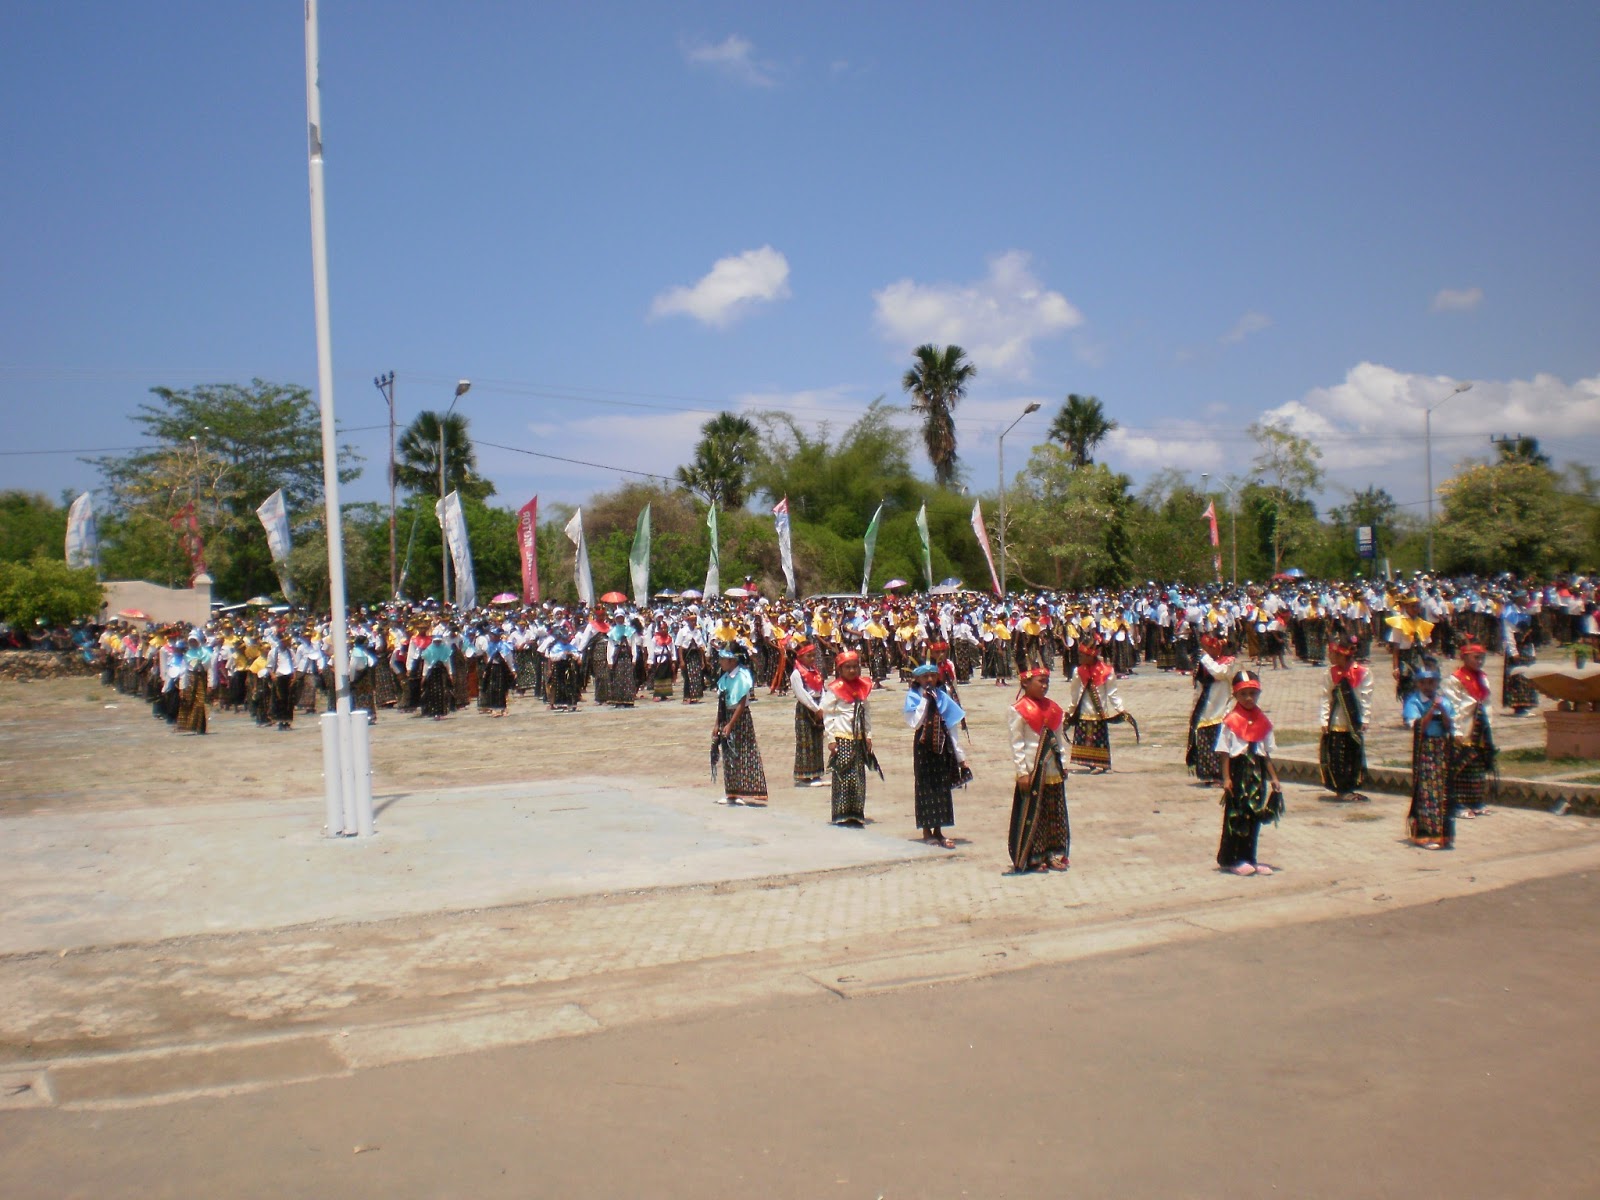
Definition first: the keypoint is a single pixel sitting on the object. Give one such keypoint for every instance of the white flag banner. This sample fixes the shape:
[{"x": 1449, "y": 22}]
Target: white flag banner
[
  {"x": 454, "y": 523},
  {"x": 581, "y": 574},
  {"x": 780, "y": 515},
  {"x": 83, "y": 540},
  {"x": 714, "y": 563},
  {"x": 274, "y": 514}
]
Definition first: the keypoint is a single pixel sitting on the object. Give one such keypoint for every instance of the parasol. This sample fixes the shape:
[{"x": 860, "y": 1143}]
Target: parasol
[
  {"x": 259, "y": 602},
  {"x": 894, "y": 583},
  {"x": 667, "y": 594},
  {"x": 690, "y": 593},
  {"x": 613, "y": 598},
  {"x": 738, "y": 593},
  {"x": 133, "y": 614},
  {"x": 504, "y": 598}
]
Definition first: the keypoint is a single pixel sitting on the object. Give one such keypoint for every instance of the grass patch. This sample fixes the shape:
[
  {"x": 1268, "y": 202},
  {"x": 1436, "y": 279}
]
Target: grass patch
[{"x": 1586, "y": 779}]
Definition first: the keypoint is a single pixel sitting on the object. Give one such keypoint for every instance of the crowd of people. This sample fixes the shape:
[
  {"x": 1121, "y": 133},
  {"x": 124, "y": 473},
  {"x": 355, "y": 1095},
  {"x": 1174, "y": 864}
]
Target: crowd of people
[{"x": 830, "y": 654}]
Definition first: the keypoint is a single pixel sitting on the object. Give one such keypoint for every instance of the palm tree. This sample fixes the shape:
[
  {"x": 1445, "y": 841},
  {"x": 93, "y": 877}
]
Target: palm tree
[
  {"x": 416, "y": 465},
  {"x": 720, "y": 471},
  {"x": 1521, "y": 449},
  {"x": 937, "y": 381},
  {"x": 1080, "y": 426}
]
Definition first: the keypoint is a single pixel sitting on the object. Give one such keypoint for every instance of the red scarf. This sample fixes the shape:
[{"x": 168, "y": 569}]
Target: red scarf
[
  {"x": 811, "y": 679},
  {"x": 1040, "y": 713},
  {"x": 1250, "y": 727},
  {"x": 1476, "y": 683},
  {"x": 1354, "y": 674},
  {"x": 1095, "y": 673},
  {"x": 852, "y": 690}
]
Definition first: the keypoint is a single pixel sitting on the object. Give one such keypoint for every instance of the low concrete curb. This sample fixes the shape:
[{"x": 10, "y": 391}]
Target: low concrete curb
[{"x": 1551, "y": 796}]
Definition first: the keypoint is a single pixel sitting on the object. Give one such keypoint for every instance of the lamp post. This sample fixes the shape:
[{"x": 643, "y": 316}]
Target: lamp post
[
  {"x": 385, "y": 386},
  {"x": 462, "y": 388},
  {"x": 1427, "y": 441},
  {"x": 1032, "y": 408},
  {"x": 1233, "y": 529}
]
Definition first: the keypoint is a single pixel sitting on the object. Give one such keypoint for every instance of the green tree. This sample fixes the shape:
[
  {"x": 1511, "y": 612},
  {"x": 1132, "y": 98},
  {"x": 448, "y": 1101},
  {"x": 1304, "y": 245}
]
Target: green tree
[
  {"x": 936, "y": 382},
  {"x": 30, "y": 523},
  {"x": 224, "y": 448},
  {"x": 719, "y": 473},
  {"x": 1168, "y": 537},
  {"x": 1287, "y": 464},
  {"x": 46, "y": 589},
  {"x": 416, "y": 467},
  {"x": 1071, "y": 524},
  {"x": 1080, "y": 426},
  {"x": 1522, "y": 449},
  {"x": 1508, "y": 516}
]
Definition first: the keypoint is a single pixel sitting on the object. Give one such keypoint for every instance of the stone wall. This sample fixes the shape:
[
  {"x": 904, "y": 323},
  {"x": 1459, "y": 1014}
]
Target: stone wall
[{"x": 18, "y": 665}]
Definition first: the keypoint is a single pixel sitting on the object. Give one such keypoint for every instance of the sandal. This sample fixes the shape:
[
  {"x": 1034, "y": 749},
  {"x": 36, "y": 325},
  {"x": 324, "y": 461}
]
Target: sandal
[
  {"x": 1242, "y": 869},
  {"x": 947, "y": 843}
]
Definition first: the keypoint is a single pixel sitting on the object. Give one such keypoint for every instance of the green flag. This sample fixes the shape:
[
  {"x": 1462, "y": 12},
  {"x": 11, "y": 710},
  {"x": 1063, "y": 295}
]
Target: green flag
[
  {"x": 639, "y": 560},
  {"x": 872, "y": 544},
  {"x": 927, "y": 548},
  {"x": 713, "y": 567}
]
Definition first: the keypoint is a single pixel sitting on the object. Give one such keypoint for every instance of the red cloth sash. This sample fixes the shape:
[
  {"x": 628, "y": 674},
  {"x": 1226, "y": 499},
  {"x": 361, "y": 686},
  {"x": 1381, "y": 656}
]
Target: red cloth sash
[
  {"x": 1095, "y": 672},
  {"x": 1040, "y": 713},
  {"x": 812, "y": 680},
  {"x": 851, "y": 690},
  {"x": 1355, "y": 675},
  {"x": 1476, "y": 683},
  {"x": 1250, "y": 727}
]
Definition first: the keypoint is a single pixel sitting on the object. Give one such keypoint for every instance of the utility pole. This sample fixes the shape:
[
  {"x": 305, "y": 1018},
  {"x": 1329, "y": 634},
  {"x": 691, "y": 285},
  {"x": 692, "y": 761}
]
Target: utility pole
[
  {"x": 1031, "y": 408},
  {"x": 385, "y": 386},
  {"x": 1427, "y": 444}
]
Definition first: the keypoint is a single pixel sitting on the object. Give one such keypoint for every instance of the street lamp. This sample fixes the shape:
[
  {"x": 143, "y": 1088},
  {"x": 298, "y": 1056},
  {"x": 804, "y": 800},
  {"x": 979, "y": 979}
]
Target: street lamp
[
  {"x": 1032, "y": 408},
  {"x": 1427, "y": 441},
  {"x": 462, "y": 388}
]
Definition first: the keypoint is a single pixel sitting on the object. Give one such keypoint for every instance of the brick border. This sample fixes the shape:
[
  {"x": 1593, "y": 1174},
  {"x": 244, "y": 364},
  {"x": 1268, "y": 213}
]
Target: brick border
[{"x": 1551, "y": 796}]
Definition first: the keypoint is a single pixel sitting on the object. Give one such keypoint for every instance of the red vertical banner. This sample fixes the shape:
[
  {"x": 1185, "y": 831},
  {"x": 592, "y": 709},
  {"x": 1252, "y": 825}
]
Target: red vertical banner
[
  {"x": 188, "y": 526},
  {"x": 1210, "y": 515},
  {"x": 528, "y": 544}
]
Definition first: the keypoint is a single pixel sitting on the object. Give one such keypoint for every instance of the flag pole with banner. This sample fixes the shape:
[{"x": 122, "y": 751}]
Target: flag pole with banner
[
  {"x": 927, "y": 543},
  {"x": 188, "y": 526},
  {"x": 714, "y": 563},
  {"x": 1210, "y": 515},
  {"x": 871, "y": 543},
  {"x": 639, "y": 559},
  {"x": 528, "y": 547},
  {"x": 83, "y": 539},
  {"x": 983, "y": 540},
  {"x": 581, "y": 576},
  {"x": 274, "y": 515},
  {"x": 780, "y": 516},
  {"x": 454, "y": 523}
]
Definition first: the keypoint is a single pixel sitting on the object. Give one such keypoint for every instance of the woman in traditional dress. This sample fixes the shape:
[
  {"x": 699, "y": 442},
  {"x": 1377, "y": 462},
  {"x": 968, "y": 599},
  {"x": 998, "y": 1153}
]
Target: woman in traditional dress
[
  {"x": 564, "y": 657},
  {"x": 623, "y": 688},
  {"x": 438, "y": 678},
  {"x": 1041, "y": 834},
  {"x": 497, "y": 673},
  {"x": 744, "y": 782},
  {"x": 806, "y": 682},
  {"x": 1516, "y": 643},
  {"x": 663, "y": 663},
  {"x": 1475, "y": 750},
  {"x": 1346, "y": 706},
  {"x": 196, "y": 682},
  {"x": 364, "y": 671},
  {"x": 1092, "y": 704},
  {"x": 1214, "y": 673},
  {"x": 938, "y": 764},
  {"x": 1431, "y": 715},
  {"x": 691, "y": 646},
  {"x": 1251, "y": 793},
  {"x": 847, "y": 729}
]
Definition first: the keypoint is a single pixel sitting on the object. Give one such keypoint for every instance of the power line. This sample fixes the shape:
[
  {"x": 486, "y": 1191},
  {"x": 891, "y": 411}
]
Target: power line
[{"x": 575, "y": 461}]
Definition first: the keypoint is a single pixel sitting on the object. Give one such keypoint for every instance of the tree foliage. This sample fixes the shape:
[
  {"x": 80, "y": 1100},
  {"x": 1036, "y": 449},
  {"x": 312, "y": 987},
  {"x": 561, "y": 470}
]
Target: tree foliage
[
  {"x": 1288, "y": 466},
  {"x": 46, "y": 589},
  {"x": 1080, "y": 426},
  {"x": 937, "y": 381},
  {"x": 720, "y": 470},
  {"x": 1071, "y": 523},
  {"x": 416, "y": 467},
  {"x": 30, "y": 524},
  {"x": 1508, "y": 516},
  {"x": 223, "y": 448}
]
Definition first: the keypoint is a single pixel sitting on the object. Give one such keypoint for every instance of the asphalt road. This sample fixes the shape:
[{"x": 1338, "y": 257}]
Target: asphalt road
[{"x": 1442, "y": 1050}]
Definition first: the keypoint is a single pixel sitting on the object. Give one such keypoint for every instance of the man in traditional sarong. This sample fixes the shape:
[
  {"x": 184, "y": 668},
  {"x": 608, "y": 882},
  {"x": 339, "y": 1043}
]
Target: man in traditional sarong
[
  {"x": 1468, "y": 688},
  {"x": 847, "y": 729},
  {"x": 1346, "y": 704},
  {"x": 1092, "y": 704},
  {"x": 938, "y": 763},
  {"x": 807, "y": 684},
  {"x": 1041, "y": 835},
  {"x": 734, "y": 740}
]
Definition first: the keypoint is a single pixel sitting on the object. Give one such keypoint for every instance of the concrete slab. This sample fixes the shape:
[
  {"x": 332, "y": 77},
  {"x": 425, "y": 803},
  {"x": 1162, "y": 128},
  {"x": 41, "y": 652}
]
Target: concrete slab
[{"x": 102, "y": 878}]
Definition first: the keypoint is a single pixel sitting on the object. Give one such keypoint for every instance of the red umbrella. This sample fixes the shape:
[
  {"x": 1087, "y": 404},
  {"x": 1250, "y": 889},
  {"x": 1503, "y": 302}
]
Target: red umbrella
[
  {"x": 613, "y": 598},
  {"x": 133, "y": 614}
]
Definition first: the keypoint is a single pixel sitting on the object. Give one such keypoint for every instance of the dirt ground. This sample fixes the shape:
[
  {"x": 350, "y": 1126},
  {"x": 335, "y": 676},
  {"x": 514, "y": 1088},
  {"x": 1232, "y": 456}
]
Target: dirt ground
[
  {"x": 1445, "y": 1050},
  {"x": 71, "y": 742}
]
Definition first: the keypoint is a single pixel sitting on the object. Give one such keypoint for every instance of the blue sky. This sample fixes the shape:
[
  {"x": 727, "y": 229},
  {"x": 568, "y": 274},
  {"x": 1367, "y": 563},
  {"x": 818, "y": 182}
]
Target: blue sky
[{"x": 617, "y": 219}]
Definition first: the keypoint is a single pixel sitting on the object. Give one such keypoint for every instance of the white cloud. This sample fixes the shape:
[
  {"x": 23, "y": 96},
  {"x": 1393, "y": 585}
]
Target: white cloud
[
  {"x": 1374, "y": 419},
  {"x": 1251, "y": 322},
  {"x": 996, "y": 320},
  {"x": 734, "y": 57},
  {"x": 730, "y": 289},
  {"x": 1183, "y": 444},
  {"x": 1456, "y": 299}
]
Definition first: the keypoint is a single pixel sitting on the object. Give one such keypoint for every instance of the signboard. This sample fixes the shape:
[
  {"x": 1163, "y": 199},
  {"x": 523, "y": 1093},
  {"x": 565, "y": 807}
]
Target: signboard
[{"x": 1366, "y": 541}]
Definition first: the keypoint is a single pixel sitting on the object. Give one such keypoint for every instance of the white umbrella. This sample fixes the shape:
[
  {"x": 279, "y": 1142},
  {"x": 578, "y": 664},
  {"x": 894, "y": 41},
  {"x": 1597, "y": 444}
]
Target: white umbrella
[{"x": 738, "y": 593}]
